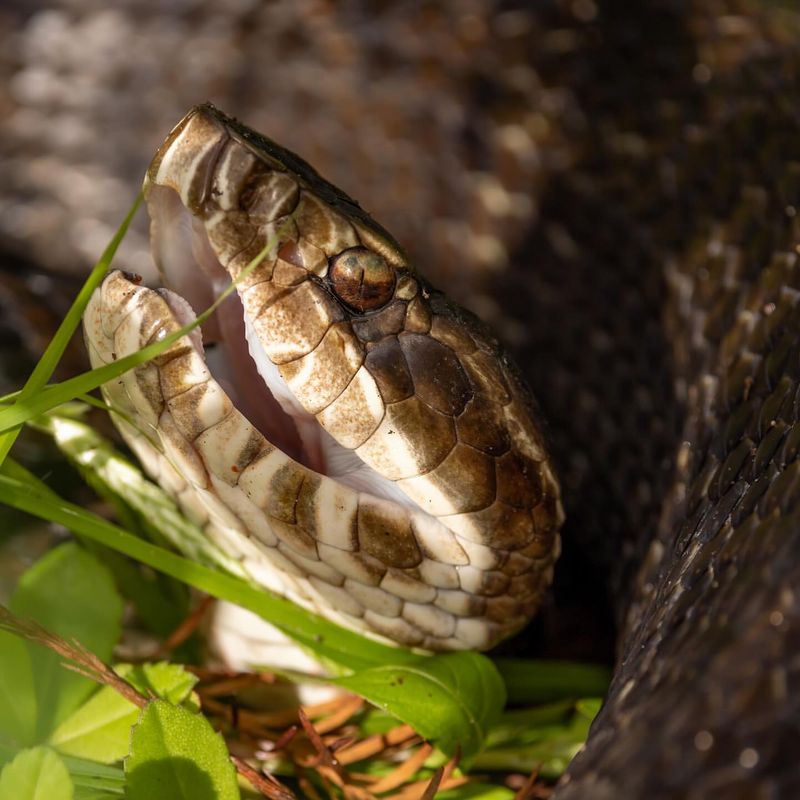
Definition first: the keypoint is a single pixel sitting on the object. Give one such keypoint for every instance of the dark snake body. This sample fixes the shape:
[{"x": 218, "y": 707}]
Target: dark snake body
[{"x": 616, "y": 190}]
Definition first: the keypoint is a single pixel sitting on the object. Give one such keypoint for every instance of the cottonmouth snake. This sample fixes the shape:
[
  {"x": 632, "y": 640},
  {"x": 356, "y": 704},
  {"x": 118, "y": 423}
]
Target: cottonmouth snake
[
  {"x": 389, "y": 472},
  {"x": 614, "y": 186}
]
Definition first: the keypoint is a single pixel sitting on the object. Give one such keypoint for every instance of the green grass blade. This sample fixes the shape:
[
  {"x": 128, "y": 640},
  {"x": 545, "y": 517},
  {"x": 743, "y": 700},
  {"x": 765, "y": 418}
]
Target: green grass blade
[
  {"x": 345, "y": 648},
  {"x": 26, "y": 409},
  {"x": 55, "y": 350},
  {"x": 120, "y": 482},
  {"x": 93, "y": 779},
  {"x": 28, "y": 406},
  {"x": 531, "y": 680}
]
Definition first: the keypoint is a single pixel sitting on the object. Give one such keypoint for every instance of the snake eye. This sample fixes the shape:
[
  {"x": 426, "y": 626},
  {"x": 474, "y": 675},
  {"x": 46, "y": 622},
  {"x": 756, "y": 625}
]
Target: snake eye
[{"x": 361, "y": 278}]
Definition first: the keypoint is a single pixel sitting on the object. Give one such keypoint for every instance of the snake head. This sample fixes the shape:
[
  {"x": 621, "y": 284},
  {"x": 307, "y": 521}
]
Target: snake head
[{"x": 367, "y": 382}]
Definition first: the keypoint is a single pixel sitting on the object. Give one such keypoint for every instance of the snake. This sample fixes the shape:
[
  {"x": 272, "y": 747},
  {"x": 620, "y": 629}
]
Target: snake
[
  {"x": 614, "y": 188},
  {"x": 357, "y": 440}
]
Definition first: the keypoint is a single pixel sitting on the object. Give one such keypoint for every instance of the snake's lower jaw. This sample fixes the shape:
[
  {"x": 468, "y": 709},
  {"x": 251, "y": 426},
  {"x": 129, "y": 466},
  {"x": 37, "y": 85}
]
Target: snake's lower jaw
[{"x": 372, "y": 454}]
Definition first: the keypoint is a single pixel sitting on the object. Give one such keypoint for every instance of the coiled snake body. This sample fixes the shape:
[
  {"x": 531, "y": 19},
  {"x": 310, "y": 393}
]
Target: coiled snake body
[{"x": 420, "y": 503}]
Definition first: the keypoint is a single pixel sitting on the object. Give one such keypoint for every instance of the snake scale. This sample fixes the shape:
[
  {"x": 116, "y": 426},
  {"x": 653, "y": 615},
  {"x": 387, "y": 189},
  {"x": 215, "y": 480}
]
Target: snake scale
[{"x": 614, "y": 187}]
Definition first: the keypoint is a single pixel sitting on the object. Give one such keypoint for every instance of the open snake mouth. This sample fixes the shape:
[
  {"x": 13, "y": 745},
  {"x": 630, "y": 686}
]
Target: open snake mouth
[
  {"x": 192, "y": 273},
  {"x": 357, "y": 440},
  {"x": 193, "y": 279}
]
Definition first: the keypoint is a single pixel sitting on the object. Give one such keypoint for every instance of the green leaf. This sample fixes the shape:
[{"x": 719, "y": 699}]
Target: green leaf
[
  {"x": 70, "y": 593},
  {"x": 159, "y": 609},
  {"x": 176, "y": 755},
  {"x": 100, "y": 730},
  {"x": 37, "y": 774},
  {"x": 52, "y": 355},
  {"x": 7, "y": 753},
  {"x": 451, "y": 699},
  {"x": 170, "y": 682},
  {"x": 17, "y": 693}
]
